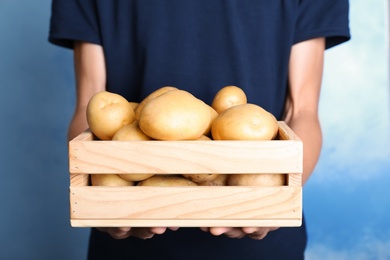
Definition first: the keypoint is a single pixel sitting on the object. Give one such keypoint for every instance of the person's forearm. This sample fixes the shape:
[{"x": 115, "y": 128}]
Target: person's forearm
[
  {"x": 90, "y": 74},
  {"x": 307, "y": 127},
  {"x": 305, "y": 76},
  {"x": 77, "y": 125}
]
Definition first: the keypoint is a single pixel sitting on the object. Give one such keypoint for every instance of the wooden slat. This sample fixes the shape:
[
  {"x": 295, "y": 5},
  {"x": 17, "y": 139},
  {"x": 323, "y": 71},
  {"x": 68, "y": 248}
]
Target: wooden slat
[
  {"x": 79, "y": 180},
  {"x": 186, "y": 223},
  {"x": 286, "y": 133},
  {"x": 173, "y": 157},
  {"x": 294, "y": 180},
  {"x": 193, "y": 206},
  {"x": 186, "y": 157}
]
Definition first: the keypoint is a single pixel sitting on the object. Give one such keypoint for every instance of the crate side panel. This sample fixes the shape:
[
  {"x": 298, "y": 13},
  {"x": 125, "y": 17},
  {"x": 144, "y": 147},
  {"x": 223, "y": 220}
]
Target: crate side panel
[
  {"x": 173, "y": 157},
  {"x": 186, "y": 203}
]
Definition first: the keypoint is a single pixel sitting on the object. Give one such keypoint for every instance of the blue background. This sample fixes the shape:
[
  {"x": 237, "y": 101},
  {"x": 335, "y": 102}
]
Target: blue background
[{"x": 346, "y": 200}]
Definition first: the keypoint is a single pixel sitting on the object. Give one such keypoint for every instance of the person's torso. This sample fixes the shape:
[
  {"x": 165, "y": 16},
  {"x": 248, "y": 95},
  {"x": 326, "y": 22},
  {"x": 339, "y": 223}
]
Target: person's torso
[{"x": 199, "y": 46}]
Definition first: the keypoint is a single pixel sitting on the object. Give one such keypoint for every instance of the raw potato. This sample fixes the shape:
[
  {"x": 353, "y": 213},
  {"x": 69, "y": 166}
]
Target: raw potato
[
  {"x": 221, "y": 180},
  {"x": 107, "y": 112},
  {"x": 134, "y": 105},
  {"x": 276, "y": 128},
  {"x": 172, "y": 114},
  {"x": 135, "y": 176},
  {"x": 244, "y": 122},
  {"x": 109, "y": 180},
  {"x": 204, "y": 138},
  {"x": 130, "y": 132},
  {"x": 228, "y": 96},
  {"x": 151, "y": 96},
  {"x": 175, "y": 115},
  {"x": 213, "y": 115},
  {"x": 201, "y": 177},
  {"x": 167, "y": 180},
  {"x": 270, "y": 179}
]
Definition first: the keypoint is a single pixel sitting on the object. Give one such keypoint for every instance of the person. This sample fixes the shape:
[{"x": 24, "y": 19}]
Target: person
[{"x": 273, "y": 50}]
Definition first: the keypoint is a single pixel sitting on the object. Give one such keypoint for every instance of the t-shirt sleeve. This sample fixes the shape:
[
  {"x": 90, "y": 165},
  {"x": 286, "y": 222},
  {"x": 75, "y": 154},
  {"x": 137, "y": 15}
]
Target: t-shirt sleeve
[
  {"x": 323, "y": 18},
  {"x": 73, "y": 20}
]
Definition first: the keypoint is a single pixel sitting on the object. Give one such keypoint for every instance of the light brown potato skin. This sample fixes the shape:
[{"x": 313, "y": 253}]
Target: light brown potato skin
[
  {"x": 213, "y": 115},
  {"x": 174, "y": 115},
  {"x": 107, "y": 112},
  {"x": 151, "y": 96},
  {"x": 244, "y": 122},
  {"x": 167, "y": 180},
  {"x": 135, "y": 176},
  {"x": 133, "y": 105},
  {"x": 221, "y": 180},
  {"x": 204, "y": 138},
  {"x": 257, "y": 179},
  {"x": 109, "y": 180},
  {"x": 228, "y": 96},
  {"x": 130, "y": 132},
  {"x": 201, "y": 177}
]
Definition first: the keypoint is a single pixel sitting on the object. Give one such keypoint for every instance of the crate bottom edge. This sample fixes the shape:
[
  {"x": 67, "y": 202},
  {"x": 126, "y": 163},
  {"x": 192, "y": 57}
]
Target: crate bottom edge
[{"x": 186, "y": 223}]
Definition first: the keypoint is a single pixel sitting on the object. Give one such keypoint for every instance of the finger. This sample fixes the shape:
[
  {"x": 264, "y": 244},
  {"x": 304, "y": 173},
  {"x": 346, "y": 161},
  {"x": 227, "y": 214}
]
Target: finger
[
  {"x": 143, "y": 233},
  {"x": 217, "y": 231},
  {"x": 119, "y": 233},
  {"x": 258, "y": 233},
  {"x": 249, "y": 230},
  {"x": 204, "y": 229},
  {"x": 227, "y": 231},
  {"x": 273, "y": 228},
  {"x": 158, "y": 230},
  {"x": 235, "y": 233},
  {"x": 123, "y": 229},
  {"x": 173, "y": 228}
]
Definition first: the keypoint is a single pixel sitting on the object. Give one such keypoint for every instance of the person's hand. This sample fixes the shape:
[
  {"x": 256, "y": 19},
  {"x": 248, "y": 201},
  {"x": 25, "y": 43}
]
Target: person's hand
[
  {"x": 257, "y": 233},
  {"x": 143, "y": 233}
]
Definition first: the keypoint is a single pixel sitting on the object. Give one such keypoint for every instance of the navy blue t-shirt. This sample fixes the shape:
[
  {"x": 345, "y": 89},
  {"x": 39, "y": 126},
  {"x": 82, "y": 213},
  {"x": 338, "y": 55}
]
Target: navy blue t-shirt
[{"x": 200, "y": 46}]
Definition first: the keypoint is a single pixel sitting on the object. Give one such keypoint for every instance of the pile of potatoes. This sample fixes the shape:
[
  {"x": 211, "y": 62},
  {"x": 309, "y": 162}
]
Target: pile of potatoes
[{"x": 171, "y": 114}]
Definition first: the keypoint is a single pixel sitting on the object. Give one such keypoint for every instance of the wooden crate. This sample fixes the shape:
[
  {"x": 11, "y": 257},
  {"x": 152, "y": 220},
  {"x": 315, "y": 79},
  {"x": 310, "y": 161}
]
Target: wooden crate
[{"x": 200, "y": 206}]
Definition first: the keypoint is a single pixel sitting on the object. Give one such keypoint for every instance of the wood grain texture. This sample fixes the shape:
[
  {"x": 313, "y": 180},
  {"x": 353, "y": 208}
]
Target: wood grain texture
[
  {"x": 79, "y": 180},
  {"x": 175, "y": 157},
  {"x": 186, "y": 206},
  {"x": 189, "y": 206},
  {"x": 294, "y": 180},
  {"x": 296, "y": 222}
]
